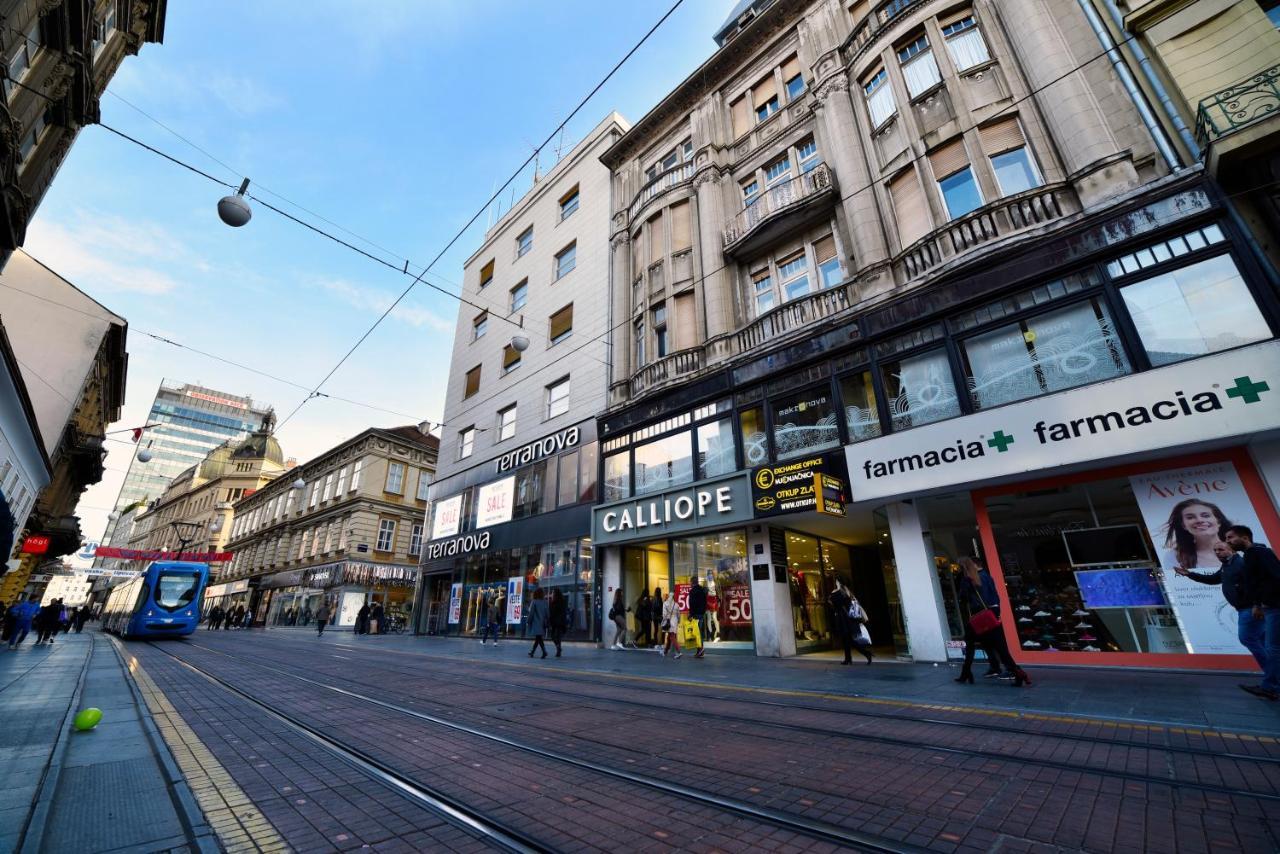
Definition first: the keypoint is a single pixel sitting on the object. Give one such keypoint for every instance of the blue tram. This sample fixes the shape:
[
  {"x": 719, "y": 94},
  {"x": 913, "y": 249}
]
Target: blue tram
[{"x": 162, "y": 601}]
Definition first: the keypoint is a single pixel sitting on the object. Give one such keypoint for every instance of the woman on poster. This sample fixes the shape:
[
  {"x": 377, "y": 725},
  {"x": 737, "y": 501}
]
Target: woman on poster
[{"x": 1195, "y": 526}]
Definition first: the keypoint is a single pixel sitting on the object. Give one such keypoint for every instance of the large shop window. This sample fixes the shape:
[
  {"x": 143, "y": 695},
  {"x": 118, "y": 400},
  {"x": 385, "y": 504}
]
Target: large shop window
[
  {"x": 804, "y": 423},
  {"x": 755, "y": 441},
  {"x": 861, "y": 416},
  {"x": 813, "y": 565},
  {"x": 563, "y": 565},
  {"x": 1057, "y": 350},
  {"x": 664, "y": 463},
  {"x": 920, "y": 389},
  {"x": 1089, "y": 567},
  {"x": 715, "y": 449},
  {"x": 617, "y": 476},
  {"x": 719, "y": 560},
  {"x": 1198, "y": 309}
]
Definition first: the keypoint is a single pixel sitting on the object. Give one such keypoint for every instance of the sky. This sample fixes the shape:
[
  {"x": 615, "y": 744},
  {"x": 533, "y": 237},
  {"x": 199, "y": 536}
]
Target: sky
[{"x": 395, "y": 124}]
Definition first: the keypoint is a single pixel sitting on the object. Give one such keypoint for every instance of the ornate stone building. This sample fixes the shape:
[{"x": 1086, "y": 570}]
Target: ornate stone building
[
  {"x": 345, "y": 528},
  {"x": 59, "y": 56}
]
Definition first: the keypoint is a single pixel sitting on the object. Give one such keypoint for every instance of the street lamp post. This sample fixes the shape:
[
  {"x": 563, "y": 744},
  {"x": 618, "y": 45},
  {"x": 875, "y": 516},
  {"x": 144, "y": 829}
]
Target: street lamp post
[{"x": 187, "y": 532}]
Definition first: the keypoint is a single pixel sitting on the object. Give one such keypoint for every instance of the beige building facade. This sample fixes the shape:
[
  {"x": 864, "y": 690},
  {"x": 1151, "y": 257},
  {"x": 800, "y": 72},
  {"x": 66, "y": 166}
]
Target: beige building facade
[{"x": 345, "y": 528}]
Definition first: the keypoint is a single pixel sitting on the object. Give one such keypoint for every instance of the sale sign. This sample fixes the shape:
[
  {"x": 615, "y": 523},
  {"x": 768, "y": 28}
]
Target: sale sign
[
  {"x": 455, "y": 603},
  {"x": 515, "y": 600},
  {"x": 682, "y": 596},
  {"x": 737, "y": 606}
]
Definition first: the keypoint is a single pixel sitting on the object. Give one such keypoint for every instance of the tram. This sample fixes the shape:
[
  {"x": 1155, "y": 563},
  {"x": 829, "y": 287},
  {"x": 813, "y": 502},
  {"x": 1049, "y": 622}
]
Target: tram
[{"x": 162, "y": 601}]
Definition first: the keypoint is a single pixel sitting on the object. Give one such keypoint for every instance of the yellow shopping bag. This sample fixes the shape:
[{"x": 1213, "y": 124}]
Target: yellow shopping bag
[{"x": 690, "y": 634}]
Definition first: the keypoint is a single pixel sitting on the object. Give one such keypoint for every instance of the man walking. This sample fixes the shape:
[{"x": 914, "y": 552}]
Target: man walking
[
  {"x": 22, "y": 614},
  {"x": 1262, "y": 583},
  {"x": 322, "y": 617},
  {"x": 1231, "y": 576},
  {"x": 698, "y": 611}
]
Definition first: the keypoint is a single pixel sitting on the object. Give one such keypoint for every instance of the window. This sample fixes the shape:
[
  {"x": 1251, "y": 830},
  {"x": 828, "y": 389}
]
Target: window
[
  {"x": 777, "y": 171},
  {"x": 1004, "y": 144},
  {"x": 919, "y": 68},
  {"x": 355, "y": 475},
  {"x": 566, "y": 260},
  {"x": 424, "y": 485},
  {"x": 794, "y": 276},
  {"x": 524, "y": 242},
  {"x": 909, "y": 208},
  {"x": 472, "y": 382},
  {"x": 386, "y": 535},
  {"x": 824, "y": 253},
  {"x": 792, "y": 79},
  {"x": 1161, "y": 252},
  {"x": 415, "y": 540},
  {"x": 23, "y": 58},
  {"x": 639, "y": 337},
  {"x": 1272, "y": 8},
  {"x": 569, "y": 203},
  {"x": 880, "y": 105},
  {"x": 617, "y": 476},
  {"x": 176, "y": 590},
  {"x": 507, "y": 423},
  {"x": 32, "y": 138},
  {"x": 395, "y": 479},
  {"x": 479, "y": 326},
  {"x": 861, "y": 416},
  {"x": 568, "y": 481},
  {"x": 664, "y": 463},
  {"x": 561, "y": 324},
  {"x": 510, "y": 359},
  {"x": 558, "y": 398},
  {"x": 750, "y": 192},
  {"x": 342, "y": 481},
  {"x": 681, "y": 231},
  {"x": 964, "y": 43},
  {"x": 755, "y": 441},
  {"x": 103, "y": 28},
  {"x": 486, "y": 274},
  {"x": 328, "y": 487},
  {"x": 316, "y": 541},
  {"x": 804, "y": 422},
  {"x": 807, "y": 155},
  {"x": 919, "y": 389},
  {"x": 716, "y": 453},
  {"x": 762, "y": 284},
  {"x": 660, "y": 330},
  {"x": 955, "y": 179},
  {"x": 1060, "y": 349},
  {"x": 765, "y": 97},
  {"x": 466, "y": 442},
  {"x": 1194, "y": 310},
  {"x": 738, "y": 117},
  {"x": 519, "y": 295},
  {"x": 587, "y": 470},
  {"x": 315, "y": 494}
]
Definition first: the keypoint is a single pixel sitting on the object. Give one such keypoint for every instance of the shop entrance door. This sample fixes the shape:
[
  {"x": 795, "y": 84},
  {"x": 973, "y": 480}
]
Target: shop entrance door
[{"x": 435, "y": 616}]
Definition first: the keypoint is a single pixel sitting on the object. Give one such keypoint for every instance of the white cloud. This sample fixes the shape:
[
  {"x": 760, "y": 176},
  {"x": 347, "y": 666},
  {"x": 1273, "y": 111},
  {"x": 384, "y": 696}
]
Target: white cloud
[
  {"x": 242, "y": 95},
  {"x": 375, "y": 301},
  {"x": 103, "y": 254}
]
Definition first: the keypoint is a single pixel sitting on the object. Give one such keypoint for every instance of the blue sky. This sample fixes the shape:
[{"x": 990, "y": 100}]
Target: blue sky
[{"x": 395, "y": 123}]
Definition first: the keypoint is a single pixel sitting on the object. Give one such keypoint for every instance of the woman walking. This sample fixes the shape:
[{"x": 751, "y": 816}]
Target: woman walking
[
  {"x": 322, "y": 617},
  {"x": 644, "y": 621},
  {"x": 982, "y": 624},
  {"x": 538, "y": 616},
  {"x": 847, "y": 616},
  {"x": 559, "y": 618},
  {"x": 671, "y": 625},
  {"x": 618, "y": 613},
  {"x": 656, "y": 616}
]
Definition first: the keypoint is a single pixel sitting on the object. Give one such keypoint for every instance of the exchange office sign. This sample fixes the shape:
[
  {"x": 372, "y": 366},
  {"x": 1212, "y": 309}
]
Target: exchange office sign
[
  {"x": 797, "y": 486},
  {"x": 1233, "y": 394},
  {"x": 710, "y": 503}
]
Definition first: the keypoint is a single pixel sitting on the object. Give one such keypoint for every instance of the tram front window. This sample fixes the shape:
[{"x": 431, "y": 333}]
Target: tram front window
[{"x": 176, "y": 590}]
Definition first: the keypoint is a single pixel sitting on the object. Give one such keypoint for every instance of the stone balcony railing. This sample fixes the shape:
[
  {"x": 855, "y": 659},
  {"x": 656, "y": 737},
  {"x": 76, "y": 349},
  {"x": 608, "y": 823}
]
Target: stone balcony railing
[
  {"x": 662, "y": 182},
  {"x": 669, "y": 367},
  {"x": 984, "y": 226},
  {"x": 1237, "y": 107},
  {"x": 776, "y": 201}
]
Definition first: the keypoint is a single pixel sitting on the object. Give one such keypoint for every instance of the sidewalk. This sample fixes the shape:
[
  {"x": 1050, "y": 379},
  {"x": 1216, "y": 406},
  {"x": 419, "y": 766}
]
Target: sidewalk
[
  {"x": 105, "y": 790},
  {"x": 1202, "y": 700}
]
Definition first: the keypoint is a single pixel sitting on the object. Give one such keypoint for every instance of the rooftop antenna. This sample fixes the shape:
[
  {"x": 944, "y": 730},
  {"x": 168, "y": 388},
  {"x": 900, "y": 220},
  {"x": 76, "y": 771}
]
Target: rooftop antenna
[
  {"x": 537, "y": 153},
  {"x": 559, "y": 145},
  {"x": 493, "y": 188}
]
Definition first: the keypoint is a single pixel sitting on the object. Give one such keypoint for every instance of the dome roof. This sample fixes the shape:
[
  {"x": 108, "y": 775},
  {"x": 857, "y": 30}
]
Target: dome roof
[
  {"x": 259, "y": 446},
  {"x": 214, "y": 464}
]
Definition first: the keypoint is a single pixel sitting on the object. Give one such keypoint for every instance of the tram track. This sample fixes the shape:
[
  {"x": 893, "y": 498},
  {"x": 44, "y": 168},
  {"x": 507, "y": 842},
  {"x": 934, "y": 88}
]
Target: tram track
[
  {"x": 508, "y": 838},
  {"x": 985, "y": 727}
]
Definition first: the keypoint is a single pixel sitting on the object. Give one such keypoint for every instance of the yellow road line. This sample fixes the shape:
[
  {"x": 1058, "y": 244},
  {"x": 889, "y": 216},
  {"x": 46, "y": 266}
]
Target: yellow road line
[{"x": 235, "y": 819}]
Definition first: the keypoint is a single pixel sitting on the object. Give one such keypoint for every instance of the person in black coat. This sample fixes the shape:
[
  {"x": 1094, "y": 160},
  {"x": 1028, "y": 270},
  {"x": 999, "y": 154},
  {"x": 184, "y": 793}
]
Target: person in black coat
[
  {"x": 559, "y": 618},
  {"x": 847, "y": 627},
  {"x": 644, "y": 620},
  {"x": 656, "y": 603},
  {"x": 978, "y": 593},
  {"x": 362, "y": 620},
  {"x": 1231, "y": 576},
  {"x": 375, "y": 619}
]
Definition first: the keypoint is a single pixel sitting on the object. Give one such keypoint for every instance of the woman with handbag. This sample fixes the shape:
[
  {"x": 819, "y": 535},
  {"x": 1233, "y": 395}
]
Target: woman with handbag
[
  {"x": 847, "y": 617},
  {"x": 618, "y": 614},
  {"x": 978, "y": 593},
  {"x": 671, "y": 624}
]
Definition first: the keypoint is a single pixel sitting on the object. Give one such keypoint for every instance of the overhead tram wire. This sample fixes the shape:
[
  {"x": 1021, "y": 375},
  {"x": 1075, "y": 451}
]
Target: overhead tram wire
[{"x": 582, "y": 103}]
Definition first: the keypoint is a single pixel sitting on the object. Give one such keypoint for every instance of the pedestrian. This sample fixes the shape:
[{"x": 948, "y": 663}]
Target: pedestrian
[
  {"x": 698, "y": 612},
  {"x": 82, "y": 614},
  {"x": 23, "y": 614},
  {"x": 322, "y": 617},
  {"x": 246, "y": 622},
  {"x": 1262, "y": 582},
  {"x": 362, "y": 620},
  {"x": 656, "y": 604},
  {"x": 559, "y": 618},
  {"x": 6, "y": 623},
  {"x": 1232, "y": 578},
  {"x": 306, "y": 616},
  {"x": 238, "y": 622},
  {"x": 375, "y": 619},
  {"x": 497, "y": 614},
  {"x": 215, "y": 619},
  {"x": 538, "y": 617},
  {"x": 47, "y": 622},
  {"x": 618, "y": 614},
  {"x": 644, "y": 620},
  {"x": 848, "y": 617},
  {"x": 670, "y": 625},
  {"x": 977, "y": 593},
  {"x": 64, "y": 618}
]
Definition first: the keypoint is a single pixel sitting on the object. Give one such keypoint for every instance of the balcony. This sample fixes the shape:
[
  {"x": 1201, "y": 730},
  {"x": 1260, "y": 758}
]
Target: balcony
[
  {"x": 669, "y": 367},
  {"x": 1233, "y": 124},
  {"x": 662, "y": 182},
  {"x": 986, "y": 226},
  {"x": 780, "y": 209}
]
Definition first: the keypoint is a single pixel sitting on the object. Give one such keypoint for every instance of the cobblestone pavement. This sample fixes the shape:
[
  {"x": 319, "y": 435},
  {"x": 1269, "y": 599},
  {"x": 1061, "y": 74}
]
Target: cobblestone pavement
[{"x": 940, "y": 776}]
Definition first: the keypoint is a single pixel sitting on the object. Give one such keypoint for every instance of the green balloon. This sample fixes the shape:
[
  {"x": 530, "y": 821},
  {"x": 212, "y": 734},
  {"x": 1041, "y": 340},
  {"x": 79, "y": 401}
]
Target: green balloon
[{"x": 87, "y": 719}]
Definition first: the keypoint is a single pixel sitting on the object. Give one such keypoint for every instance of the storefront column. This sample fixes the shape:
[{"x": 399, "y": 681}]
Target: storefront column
[
  {"x": 611, "y": 579},
  {"x": 1266, "y": 456},
  {"x": 770, "y": 601},
  {"x": 926, "y": 623}
]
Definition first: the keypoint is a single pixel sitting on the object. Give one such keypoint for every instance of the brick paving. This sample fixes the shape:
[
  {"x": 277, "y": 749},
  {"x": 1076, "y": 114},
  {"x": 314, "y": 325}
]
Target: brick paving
[{"x": 909, "y": 793}]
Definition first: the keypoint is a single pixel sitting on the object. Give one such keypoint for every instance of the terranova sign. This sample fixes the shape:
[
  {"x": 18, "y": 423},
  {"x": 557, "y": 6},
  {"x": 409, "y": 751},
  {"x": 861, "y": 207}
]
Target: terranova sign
[
  {"x": 706, "y": 504},
  {"x": 1234, "y": 394}
]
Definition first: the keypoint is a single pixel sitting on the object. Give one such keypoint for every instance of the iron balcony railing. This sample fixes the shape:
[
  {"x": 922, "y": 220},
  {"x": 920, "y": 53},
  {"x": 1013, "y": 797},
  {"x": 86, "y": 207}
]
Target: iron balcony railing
[{"x": 1236, "y": 107}]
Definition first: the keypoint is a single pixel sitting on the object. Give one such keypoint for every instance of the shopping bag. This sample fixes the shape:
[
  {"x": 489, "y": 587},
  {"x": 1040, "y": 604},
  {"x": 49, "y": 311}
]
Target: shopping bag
[
  {"x": 690, "y": 633},
  {"x": 373, "y": 627},
  {"x": 864, "y": 636}
]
